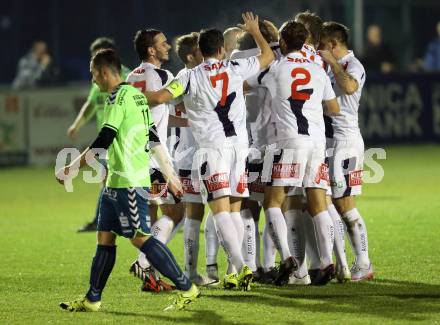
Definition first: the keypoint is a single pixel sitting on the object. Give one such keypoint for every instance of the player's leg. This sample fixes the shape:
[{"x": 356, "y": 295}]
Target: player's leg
[
  {"x": 287, "y": 170},
  {"x": 228, "y": 237},
  {"x": 256, "y": 207},
  {"x": 324, "y": 230},
  {"x": 211, "y": 247},
  {"x": 296, "y": 235},
  {"x": 156, "y": 252},
  {"x": 163, "y": 260},
  {"x": 191, "y": 234},
  {"x": 342, "y": 270},
  {"x": 273, "y": 200},
  {"x": 172, "y": 215},
  {"x": 214, "y": 171},
  {"x": 251, "y": 217},
  {"x": 269, "y": 257},
  {"x": 346, "y": 172},
  {"x": 104, "y": 259},
  {"x": 240, "y": 191},
  {"x": 357, "y": 232},
  {"x": 141, "y": 268},
  {"x": 249, "y": 242},
  {"x": 316, "y": 183},
  {"x": 235, "y": 206},
  {"x": 162, "y": 229},
  {"x": 132, "y": 209}
]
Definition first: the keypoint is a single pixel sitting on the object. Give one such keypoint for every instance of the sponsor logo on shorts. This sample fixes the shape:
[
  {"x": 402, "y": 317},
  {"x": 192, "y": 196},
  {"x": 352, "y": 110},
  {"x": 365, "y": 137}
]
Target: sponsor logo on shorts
[
  {"x": 322, "y": 174},
  {"x": 257, "y": 186},
  {"x": 217, "y": 182},
  {"x": 355, "y": 178},
  {"x": 188, "y": 187},
  {"x": 157, "y": 188},
  {"x": 111, "y": 194},
  {"x": 337, "y": 184},
  {"x": 125, "y": 224},
  {"x": 242, "y": 185},
  {"x": 285, "y": 170}
]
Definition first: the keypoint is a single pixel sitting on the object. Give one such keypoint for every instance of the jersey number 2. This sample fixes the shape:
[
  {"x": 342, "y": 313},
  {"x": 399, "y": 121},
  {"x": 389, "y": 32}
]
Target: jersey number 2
[
  {"x": 304, "y": 94},
  {"x": 299, "y": 97}
]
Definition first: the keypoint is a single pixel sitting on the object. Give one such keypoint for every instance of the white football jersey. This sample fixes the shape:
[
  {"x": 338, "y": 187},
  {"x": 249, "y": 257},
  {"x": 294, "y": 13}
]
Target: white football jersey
[
  {"x": 218, "y": 116},
  {"x": 346, "y": 124},
  {"x": 310, "y": 53},
  {"x": 258, "y": 106},
  {"x": 148, "y": 77},
  {"x": 186, "y": 146},
  {"x": 300, "y": 87}
]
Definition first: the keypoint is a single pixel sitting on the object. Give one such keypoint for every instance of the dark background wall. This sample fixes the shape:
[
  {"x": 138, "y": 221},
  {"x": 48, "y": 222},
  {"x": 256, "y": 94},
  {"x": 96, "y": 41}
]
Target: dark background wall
[{"x": 70, "y": 26}]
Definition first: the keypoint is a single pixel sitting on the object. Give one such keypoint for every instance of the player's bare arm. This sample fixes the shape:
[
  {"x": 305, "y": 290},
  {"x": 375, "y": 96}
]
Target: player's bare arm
[
  {"x": 345, "y": 81},
  {"x": 102, "y": 141},
  {"x": 250, "y": 25},
  {"x": 177, "y": 122},
  {"x": 158, "y": 97},
  {"x": 83, "y": 116},
  {"x": 331, "y": 107},
  {"x": 159, "y": 153},
  {"x": 63, "y": 173}
]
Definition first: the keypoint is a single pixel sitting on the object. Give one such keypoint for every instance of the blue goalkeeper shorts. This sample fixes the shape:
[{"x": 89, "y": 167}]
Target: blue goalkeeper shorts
[{"x": 124, "y": 211}]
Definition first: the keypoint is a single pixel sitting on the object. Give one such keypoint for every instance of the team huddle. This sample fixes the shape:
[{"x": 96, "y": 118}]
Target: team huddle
[{"x": 260, "y": 119}]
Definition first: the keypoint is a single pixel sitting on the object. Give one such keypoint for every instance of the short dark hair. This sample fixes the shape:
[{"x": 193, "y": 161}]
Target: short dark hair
[
  {"x": 186, "y": 44},
  {"x": 143, "y": 40},
  {"x": 210, "y": 41},
  {"x": 246, "y": 41},
  {"x": 107, "y": 58},
  {"x": 294, "y": 34},
  {"x": 313, "y": 24},
  {"x": 336, "y": 31},
  {"x": 102, "y": 43}
]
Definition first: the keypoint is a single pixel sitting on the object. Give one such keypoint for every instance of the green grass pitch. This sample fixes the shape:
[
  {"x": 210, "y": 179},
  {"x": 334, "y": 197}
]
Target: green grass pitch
[{"x": 43, "y": 261}]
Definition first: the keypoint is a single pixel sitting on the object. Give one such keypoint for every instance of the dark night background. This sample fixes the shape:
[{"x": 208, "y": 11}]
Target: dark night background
[{"x": 70, "y": 26}]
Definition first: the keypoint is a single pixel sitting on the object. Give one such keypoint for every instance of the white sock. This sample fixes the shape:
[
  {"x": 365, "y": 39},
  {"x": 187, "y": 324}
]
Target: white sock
[
  {"x": 325, "y": 237},
  {"x": 176, "y": 229},
  {"x": 311, "y": 242},
  {"x": 357, "y": 232},
  {"x": 143, "y": 262},
  {"x": 257, "y": 245},
  {"x": 278, "y": 231},
  {"x": 248, "y": 248},
  {"x": 191, "y": 233},
  {"x": 211, "y": 241},
  {"x": 228, "y": 237},
  {"x": 297, "y": 239},
  {"x": 339, "y": 247},
  {"x": 239, "y": 226},
  {"x": 162, "y": 229},
  {"x": 270, "y": 251}
]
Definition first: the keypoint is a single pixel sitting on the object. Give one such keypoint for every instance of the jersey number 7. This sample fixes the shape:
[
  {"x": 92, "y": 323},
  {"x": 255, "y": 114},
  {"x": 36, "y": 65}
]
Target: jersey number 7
[
  {"x": 224, "y": 105},
  {"x": 225, "y": 83},
  {"x": 141, "y": 85}
]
